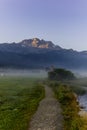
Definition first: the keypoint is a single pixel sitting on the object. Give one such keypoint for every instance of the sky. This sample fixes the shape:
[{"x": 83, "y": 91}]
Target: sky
[{"x": 64, "y": 22}]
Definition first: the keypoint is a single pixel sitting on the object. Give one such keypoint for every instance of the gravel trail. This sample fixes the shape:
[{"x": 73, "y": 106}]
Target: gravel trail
[{"x": 48, "y": 115}]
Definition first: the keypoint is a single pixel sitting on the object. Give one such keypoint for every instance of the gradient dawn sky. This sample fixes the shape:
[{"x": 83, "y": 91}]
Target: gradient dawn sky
[{"x": 62, "y": 21}]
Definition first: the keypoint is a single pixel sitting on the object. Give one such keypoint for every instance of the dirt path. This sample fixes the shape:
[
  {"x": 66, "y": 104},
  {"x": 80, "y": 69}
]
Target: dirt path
[{"x": 48, "y": 115}]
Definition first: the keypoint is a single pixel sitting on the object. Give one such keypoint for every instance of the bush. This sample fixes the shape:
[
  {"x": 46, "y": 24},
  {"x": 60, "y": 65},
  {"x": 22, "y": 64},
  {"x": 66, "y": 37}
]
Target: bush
[{"x": 60, "y": 74}]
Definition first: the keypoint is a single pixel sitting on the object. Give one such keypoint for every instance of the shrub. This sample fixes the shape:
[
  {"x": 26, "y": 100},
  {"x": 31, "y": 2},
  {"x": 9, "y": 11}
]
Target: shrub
[{"x": 60, "y": 74}]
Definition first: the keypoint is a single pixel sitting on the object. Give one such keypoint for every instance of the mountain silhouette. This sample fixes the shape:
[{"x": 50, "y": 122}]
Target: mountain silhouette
[{"x": 36, "y": 53}]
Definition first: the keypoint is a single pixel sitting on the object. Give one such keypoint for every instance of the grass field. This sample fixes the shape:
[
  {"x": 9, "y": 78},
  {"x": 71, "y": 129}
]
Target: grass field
[{"x": 19, "y": 98}]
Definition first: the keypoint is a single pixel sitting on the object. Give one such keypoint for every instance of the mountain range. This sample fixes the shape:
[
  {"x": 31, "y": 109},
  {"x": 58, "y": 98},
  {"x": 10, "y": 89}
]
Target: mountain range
[{"x": 36, "y": 53}]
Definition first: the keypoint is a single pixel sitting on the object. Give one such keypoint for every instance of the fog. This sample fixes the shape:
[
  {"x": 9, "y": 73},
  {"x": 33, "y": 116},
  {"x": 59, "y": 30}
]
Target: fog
[
  {"x": 23, "y": 72},
  {"x": 80, "y": 73},
  {"x": 82, "y": 82},
  {"x": 43, "y": 74},
  {"x": 35, "y": 72}
]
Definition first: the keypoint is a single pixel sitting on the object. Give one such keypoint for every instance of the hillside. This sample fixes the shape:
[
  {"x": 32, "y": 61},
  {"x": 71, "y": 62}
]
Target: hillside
[{"x": 36, "y": 53}]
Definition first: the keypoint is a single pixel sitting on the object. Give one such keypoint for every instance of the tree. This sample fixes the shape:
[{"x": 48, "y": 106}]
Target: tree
[{"x": 60, "y": 74}]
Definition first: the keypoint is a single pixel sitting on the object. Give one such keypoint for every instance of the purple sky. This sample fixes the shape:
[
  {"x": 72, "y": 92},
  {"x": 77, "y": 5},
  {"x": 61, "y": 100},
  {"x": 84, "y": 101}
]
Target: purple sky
[{"x": 62, "y": 21}]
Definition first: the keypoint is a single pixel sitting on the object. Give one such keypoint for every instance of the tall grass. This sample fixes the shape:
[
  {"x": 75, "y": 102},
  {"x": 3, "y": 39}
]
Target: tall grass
[
  {"x": 19, "y": 99},
  {"x": 67, "y": 99}
]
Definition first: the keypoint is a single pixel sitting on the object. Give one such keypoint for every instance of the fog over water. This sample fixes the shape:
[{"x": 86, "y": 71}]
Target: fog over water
[
  {"x": 79, "y": 73},
  {"x": 82, "y": 75},
  {"x": 82, "y": 98}
]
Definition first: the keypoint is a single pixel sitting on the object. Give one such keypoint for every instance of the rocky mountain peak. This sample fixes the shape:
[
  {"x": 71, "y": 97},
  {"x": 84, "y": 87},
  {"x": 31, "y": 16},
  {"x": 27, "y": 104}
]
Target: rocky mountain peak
[{"x": 37, "y": 43}]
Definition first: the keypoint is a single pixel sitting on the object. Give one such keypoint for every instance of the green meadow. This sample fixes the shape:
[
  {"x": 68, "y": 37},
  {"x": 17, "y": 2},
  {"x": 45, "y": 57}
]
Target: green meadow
[{"x": 19, "y": 99}]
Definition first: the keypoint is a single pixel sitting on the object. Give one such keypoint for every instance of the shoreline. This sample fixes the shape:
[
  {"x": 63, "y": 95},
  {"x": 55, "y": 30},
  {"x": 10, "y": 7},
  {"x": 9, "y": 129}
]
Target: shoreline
[
  {"x": 83, "y": 113},
  {"x": 83, "y": 105}
]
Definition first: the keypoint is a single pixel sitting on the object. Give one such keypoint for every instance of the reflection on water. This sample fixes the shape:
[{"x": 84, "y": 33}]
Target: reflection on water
[{"x": 83, "y": 101}]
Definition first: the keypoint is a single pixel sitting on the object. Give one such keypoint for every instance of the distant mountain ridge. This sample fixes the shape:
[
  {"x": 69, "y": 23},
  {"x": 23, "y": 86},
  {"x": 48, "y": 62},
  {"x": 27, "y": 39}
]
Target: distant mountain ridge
[
  {"x": 29, "y": 45},
  {"x": 35, "y": 42},
  {"x": 36, "y": 53}
]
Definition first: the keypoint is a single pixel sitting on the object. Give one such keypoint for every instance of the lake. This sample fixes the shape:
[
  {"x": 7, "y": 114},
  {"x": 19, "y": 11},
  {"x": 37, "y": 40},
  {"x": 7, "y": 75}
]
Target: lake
[{"x": 83, "y": 101}]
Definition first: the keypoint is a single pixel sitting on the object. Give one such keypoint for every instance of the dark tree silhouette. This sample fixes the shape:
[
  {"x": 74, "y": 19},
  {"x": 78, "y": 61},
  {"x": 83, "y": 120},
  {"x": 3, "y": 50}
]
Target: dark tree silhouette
[{"x": 60, "y": 74}]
